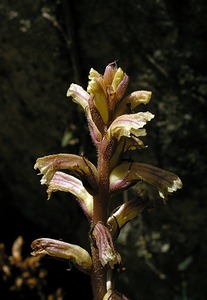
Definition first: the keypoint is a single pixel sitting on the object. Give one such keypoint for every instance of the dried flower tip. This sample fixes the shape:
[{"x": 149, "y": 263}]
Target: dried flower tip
[{"x": 104, "y": 243}]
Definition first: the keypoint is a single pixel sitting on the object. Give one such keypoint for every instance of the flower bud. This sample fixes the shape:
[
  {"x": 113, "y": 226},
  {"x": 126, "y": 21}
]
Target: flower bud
[{"x": 125, "y": 213}]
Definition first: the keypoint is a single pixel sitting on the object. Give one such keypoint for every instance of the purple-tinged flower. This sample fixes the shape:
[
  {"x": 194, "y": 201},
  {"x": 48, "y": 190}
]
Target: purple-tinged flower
[
  {"x": 125, "y": 213},
  {"x": 129, "y": 173},
  {"x": 76, "y": 165},
  {"x": 75, "y": 254},
  {"x": 70, "y": 184}
]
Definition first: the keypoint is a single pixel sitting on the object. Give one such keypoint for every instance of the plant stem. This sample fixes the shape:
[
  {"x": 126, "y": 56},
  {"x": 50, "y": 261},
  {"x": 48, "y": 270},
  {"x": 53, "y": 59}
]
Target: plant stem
[{"x": 100, "y": 208}]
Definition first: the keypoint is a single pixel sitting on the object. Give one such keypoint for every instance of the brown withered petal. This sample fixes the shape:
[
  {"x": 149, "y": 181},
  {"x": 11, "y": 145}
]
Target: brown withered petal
[
  {"x": 77, "y": 165},
  {"x": 166, "y": 182},
  {"x": 76, "y": 254},
  {"x": 104, "y": 243}
]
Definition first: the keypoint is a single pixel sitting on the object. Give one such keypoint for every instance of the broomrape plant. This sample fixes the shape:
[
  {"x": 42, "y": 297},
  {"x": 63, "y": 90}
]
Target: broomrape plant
[{"x": 114, "y": 129}]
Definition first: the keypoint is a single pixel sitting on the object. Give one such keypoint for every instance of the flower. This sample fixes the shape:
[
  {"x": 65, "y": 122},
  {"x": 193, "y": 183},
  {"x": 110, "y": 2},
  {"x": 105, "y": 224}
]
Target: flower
[
  {"x": 83, "y": 188},
  {"x": 104, "y": 243},
  {"x": 125, "y": 213},
  {"x": 107, "y": 89},
  {"x": 77, "y": 165},
  {"x": 129, "y": 125},
  {"x": 127, "y": 174},
  {"x": 132, "y": 101},
  {"x": 67, "y": 183},
  {"x": 76, "y": 254}
]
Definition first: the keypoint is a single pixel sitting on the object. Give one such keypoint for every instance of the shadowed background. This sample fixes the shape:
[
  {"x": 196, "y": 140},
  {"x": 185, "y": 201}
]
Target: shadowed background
[{"x": 161, "y": 45}]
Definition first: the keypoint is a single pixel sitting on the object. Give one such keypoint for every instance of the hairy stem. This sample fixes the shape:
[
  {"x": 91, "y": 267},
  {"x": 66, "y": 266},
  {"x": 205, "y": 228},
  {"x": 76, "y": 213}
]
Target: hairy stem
[{"x": 100, "y": 207}]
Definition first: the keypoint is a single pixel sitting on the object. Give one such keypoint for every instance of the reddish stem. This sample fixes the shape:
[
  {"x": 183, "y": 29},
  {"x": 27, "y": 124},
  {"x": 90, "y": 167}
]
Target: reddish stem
[{"x": 100, "y": 209}]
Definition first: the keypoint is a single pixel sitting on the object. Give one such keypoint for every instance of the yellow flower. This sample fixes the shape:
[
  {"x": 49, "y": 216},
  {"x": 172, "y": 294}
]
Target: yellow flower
[
  {"x": 128, "y": 125},
  {"x": 77, "y": 165},
  {"x": 132, "y": 101},
  {"x": 107, "y": 89}
]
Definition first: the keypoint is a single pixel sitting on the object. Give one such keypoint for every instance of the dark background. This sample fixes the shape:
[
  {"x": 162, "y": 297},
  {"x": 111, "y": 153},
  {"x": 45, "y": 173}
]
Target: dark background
[{"x": 161, "y": 45}]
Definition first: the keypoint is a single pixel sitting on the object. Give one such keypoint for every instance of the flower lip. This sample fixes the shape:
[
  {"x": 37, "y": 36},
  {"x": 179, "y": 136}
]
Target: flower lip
[
  {"x": 67, "y": 183},
  {"x": 166, "y": 182},
  {"x": 126, "y": 125},
  {"x": 77, "y": 165}
]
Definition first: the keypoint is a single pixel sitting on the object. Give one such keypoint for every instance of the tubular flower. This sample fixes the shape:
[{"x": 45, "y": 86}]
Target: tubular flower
[
  {"x": 125, "y": 213},
  {"x": 67, "y": 183},
  {"x": 126, "y": 174},
  {"x": 80, "y": 96},
  {"x": 104, "y": 243},
  {"x": 77, "y": 165},
  {"x": 75, "y": 254},
  {"x": 132, "y": 101}
]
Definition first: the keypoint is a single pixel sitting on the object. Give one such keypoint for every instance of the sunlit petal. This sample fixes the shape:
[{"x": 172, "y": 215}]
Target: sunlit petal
[
  {"x": 97, "y": 89},
  {"x": 79, "y": 95},
  {"x": 131, "y": 101},
  {"x": 75, "y": 164},
  {"x": 126, "y": 125},
  {"x": 166, "y": 182},
  {"x": 67, "y": 183}
]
